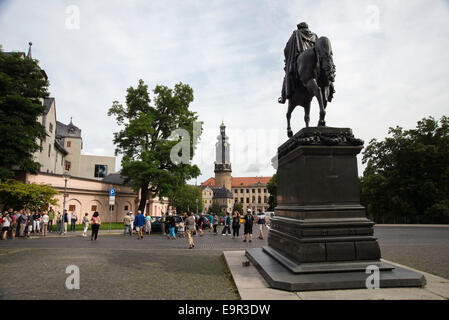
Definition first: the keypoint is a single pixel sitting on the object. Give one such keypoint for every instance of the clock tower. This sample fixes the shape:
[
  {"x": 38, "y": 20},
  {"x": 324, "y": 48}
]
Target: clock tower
[{"x": 222, "y": 163}]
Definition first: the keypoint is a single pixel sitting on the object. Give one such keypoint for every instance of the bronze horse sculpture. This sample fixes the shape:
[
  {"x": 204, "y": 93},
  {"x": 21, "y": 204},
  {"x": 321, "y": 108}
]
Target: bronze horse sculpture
[{"x": 314, "y": 77}]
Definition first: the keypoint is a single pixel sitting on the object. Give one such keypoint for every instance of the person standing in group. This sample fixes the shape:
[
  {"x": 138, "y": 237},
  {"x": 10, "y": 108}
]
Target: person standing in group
[
  {"x": 215, "y": 222},
  {"x": 96, "y": 223},
  {"x": 85, "y": 224},
  {"x": 171, "y": 226},
  {"x": 51, "y": 218},
  {"x": 200, "y": 225},
  {"x": 73, "y": 220},
  {"x": 36, "y": 222},
  {"x": 235, "y": 224},
  {"x": 190, "y": 227},
  {"x": 18, "y": 215},
  {"x": 131, "y": 216},
  {"x": 13, "y": 229},
  {"x": 29, "y": 226},
  {"x": 248, "y": 226},
  {"x": 163, "y": 219},
  {"x": 227, "y": 225},
  {"x": 22, "y": 225},
  {"x": 6, "y": 224},
  {"x": 181, "y": 227},
  {"x": 148, "y": 224},
  {"x": 45, "y": 219},
  {"x": 58, "y": 222},
  {"x": 139, "y": 222},
  {"x": 211, "y": 221},
  {"x": 65, "y": 220},
  {"x": 127, "y": 225},
  {"x": 261, "y": 221}
]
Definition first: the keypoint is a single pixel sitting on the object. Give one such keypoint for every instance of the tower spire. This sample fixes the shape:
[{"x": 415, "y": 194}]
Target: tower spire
[{"x": 29, "y": 56}]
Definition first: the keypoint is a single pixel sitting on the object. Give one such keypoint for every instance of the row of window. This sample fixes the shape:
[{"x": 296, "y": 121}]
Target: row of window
[
  {"x": 247, "y": 190},
  {"x": 259, "y": 200}
]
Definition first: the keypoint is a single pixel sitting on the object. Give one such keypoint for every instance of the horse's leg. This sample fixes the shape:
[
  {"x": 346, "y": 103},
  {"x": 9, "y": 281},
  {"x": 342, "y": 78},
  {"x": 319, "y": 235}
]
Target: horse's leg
[
  {"x": 313, "y": 88},
  {"x": 307, "y": 114},
  {"x": 289, "y": 115}
]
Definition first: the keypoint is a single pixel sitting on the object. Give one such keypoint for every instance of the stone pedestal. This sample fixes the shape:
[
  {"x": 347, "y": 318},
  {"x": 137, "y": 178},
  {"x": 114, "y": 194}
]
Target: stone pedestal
[{"x": 320, "y": 231}]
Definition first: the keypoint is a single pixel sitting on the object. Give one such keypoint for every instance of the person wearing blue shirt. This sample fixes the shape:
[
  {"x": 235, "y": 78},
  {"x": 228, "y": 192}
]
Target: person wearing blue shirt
[
  {"x": 139, "y": 222},
  {"x": 227, "y": 226}
]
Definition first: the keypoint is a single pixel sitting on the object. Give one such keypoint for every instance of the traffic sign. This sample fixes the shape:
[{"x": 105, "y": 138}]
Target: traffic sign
[{"x": 112, "y": 193}]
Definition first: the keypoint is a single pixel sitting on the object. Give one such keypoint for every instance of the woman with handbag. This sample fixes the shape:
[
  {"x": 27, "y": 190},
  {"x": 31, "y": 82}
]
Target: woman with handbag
[{"x": 96, "y": 223}]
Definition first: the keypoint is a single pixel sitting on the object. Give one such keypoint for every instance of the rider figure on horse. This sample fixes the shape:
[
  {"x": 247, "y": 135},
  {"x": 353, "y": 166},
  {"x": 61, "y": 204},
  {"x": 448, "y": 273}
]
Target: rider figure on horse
[{"x": 301, "y": 40}]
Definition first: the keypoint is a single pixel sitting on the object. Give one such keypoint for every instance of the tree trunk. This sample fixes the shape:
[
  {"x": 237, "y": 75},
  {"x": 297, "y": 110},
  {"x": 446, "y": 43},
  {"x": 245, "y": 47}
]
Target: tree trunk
[{"x": 143, "y": 198}]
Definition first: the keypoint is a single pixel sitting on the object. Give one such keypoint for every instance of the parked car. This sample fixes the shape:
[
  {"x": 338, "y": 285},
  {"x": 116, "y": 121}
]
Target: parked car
[{"x": 156, "y": 224}]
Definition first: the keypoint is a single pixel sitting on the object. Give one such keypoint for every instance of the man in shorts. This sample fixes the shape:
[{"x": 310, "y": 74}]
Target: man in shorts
[
  {"x": 139, "y": 222},
  {"x": 261, "y": 221},
  {"x": 248, "y": 226}
]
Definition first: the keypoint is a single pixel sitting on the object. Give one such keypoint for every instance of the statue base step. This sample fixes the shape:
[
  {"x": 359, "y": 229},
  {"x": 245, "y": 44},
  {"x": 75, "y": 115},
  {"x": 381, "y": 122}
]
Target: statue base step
[{"x": 329, "y": 276}]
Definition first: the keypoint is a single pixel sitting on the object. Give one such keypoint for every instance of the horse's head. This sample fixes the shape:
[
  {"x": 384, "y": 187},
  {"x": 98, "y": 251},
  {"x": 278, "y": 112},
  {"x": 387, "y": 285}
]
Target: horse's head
[{"x": 324, "y": 51}]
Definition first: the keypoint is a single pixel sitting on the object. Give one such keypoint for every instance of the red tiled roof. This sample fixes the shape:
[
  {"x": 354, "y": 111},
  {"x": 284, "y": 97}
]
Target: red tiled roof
[{"x": 240, "y": 181}]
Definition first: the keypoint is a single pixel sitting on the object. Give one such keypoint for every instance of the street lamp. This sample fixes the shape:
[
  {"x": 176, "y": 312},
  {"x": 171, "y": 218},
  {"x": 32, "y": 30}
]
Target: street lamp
[
  {"x": 66, "y": 177},
  {"x": 196, "y": 200}
]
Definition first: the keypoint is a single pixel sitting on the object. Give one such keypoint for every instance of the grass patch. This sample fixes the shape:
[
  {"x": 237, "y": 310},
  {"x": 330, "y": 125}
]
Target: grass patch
[{"x": 229, "y": 276}]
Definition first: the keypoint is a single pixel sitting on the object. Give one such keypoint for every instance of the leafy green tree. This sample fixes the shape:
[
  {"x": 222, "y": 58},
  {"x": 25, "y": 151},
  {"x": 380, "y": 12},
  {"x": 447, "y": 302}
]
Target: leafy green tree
[
  {"x": 238, "y": 207},
  {"x": 19, "y": 195},
  {"x": 145, "y": 140},
  {"x": 406, "y": 179},
  {"x": 23, "y": 85},
  {"x": 215, "y": 208},
  {"x": 184, "y": 199},
  {"x": 272, "y": 188}
]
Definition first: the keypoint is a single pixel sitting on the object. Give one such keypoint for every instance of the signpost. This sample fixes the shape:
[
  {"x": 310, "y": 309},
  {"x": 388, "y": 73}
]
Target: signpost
[{"x": 112, "y": 193}]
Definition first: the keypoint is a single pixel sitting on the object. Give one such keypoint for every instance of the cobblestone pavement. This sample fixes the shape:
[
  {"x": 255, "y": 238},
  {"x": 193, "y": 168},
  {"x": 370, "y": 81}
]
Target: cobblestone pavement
[
  {"x": 115, "y": 267},
  {"x": 422, "y": 248}
]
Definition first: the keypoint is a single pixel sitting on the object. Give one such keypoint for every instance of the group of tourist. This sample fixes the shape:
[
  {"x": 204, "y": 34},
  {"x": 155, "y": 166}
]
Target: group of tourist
[
  {"x": 140, "y": 223},
  {"x": 23, "y": 223},
  {"x": 191, "y": 224}
]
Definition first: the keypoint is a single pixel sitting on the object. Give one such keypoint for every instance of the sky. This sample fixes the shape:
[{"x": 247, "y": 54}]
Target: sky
[{"x": 391, "y": 59}]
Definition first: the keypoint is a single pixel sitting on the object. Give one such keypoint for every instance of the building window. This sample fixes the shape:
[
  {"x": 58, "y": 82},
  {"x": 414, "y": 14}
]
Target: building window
[
  {"x": 254, "y": 199},
  {"x": 247, "y": 190},
  {"x": 236, "y": 191},
  {"x": 254, "y": 190},
  {"x": 69, "y": 144},
  {"x": 259, "y": 199},
  {"x": 72, "y": 208},
  {"x": 236, "y": 200},
  {"x": 265, "y": 199},
  {"x": 242, "y": 200},
  {"x": 50, "y": 127},
  {"x": 67, "y": 165},
  {"x": 93, "y": 208},
  {"x": 101, "y": 171},
  {"x": 49, "y": 150},
  {"x": 265, "y": 190},
  {"x": 126, "y": 208},
  {"x": 247, "y": 200},
  {"x": 241, "y": 190},
  {"x": 258, "y": 190}
]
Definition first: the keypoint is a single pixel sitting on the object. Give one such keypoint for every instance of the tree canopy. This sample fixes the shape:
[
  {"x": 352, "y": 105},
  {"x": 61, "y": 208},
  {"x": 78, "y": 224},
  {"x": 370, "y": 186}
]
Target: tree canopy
[
  {"x": 23, "y": 85},
  {"x": 147, "y": 139},
  {"x": 215, "y": 208},
  {"x": 407, "y": 175},
  {"x": 272, "y": 189},
  {"x": 19, "y": 195},
  {"x": 184, "y": 199},
  {"x": 237, "y": 207}
]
